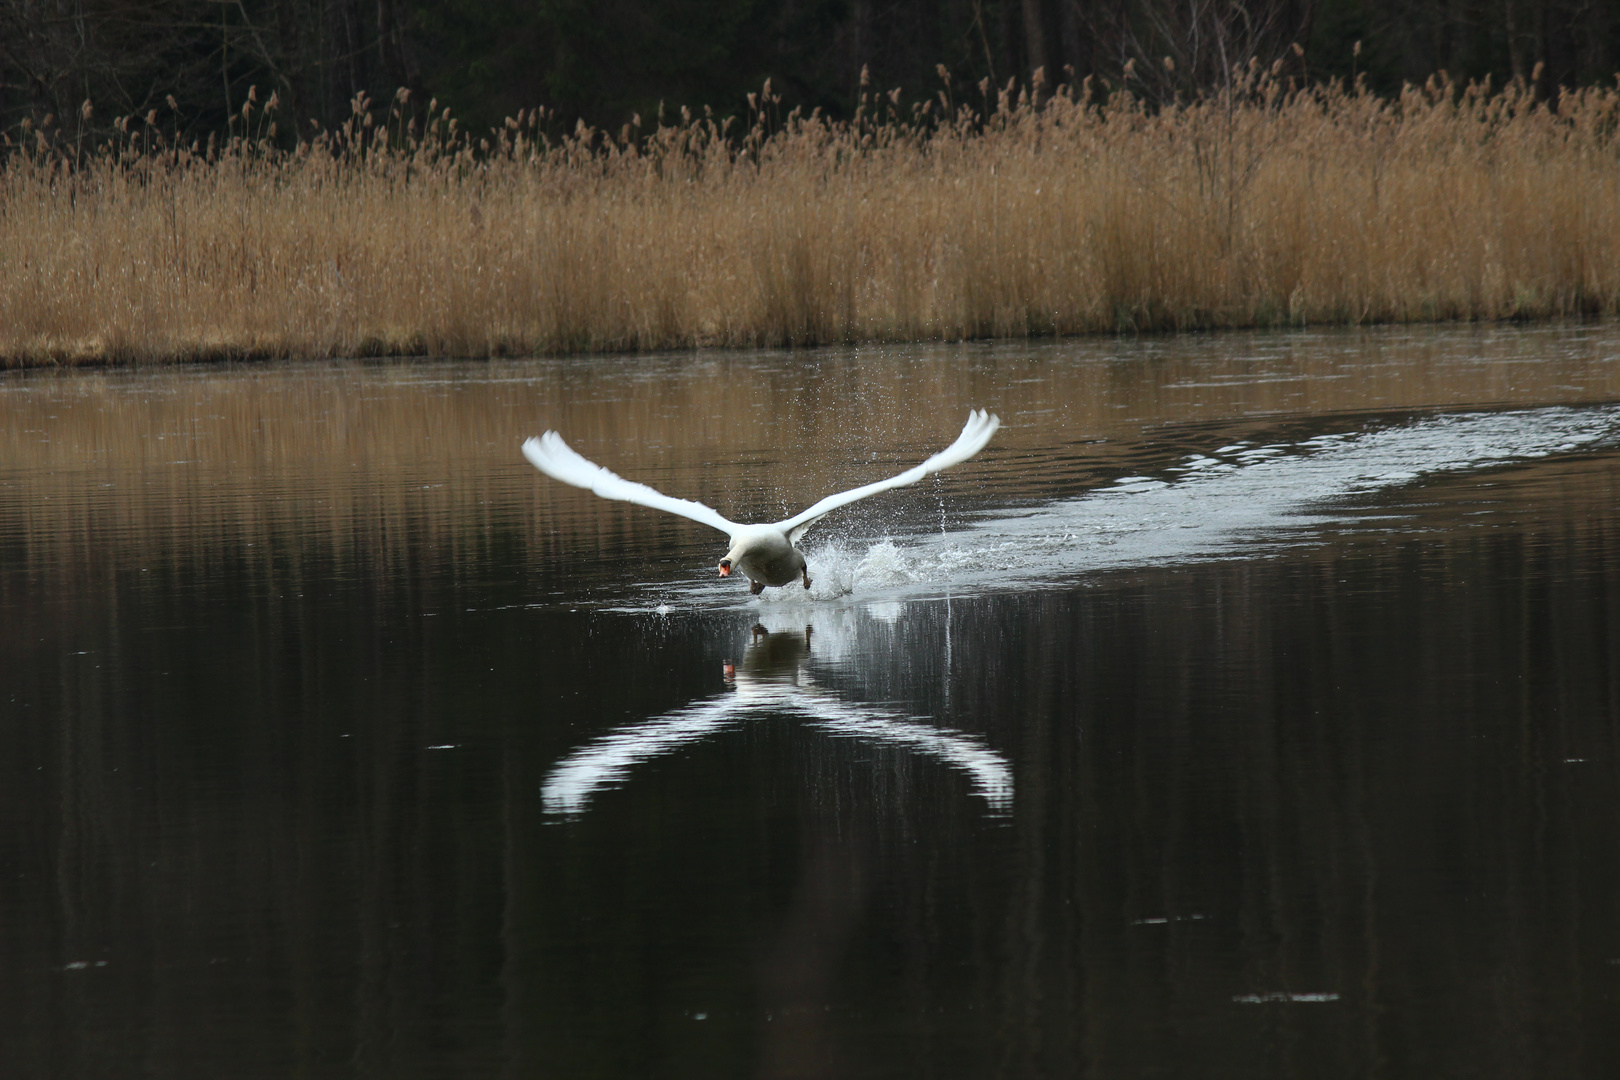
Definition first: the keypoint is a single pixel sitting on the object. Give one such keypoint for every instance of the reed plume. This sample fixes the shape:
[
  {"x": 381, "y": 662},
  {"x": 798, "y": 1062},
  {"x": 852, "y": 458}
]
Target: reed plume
[{"x": 402, "y": 233}]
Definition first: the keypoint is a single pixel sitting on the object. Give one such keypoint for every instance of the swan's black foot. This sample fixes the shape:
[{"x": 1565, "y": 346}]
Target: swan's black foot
[
  {"x": 806, "y": 574},
  {"x": 756, "y": 587}
]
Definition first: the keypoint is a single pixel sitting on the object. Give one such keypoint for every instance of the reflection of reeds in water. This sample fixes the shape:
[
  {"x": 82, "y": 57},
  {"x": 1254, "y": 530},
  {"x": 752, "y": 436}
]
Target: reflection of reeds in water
[
  {"x": 1206, "y": 815},
  {"x": 381, "y": 456},
  {"x": 1265, "y": 208}
]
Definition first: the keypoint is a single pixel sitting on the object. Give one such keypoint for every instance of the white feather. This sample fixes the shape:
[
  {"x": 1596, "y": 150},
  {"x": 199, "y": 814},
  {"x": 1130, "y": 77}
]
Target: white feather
[
  {"x": 975, "y": 433},
  {"x": 559, "y": 461}
]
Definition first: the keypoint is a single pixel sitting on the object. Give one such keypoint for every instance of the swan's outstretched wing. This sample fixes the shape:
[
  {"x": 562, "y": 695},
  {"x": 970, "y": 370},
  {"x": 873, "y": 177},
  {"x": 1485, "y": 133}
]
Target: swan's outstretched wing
[
  {"x": 975, "y": 433},
  {"x": 559, "y": 461}
]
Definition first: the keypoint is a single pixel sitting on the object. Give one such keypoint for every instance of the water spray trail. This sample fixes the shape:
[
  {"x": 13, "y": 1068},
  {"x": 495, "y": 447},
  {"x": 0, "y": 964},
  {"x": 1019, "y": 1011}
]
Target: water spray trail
[{"x": 1209, "y": 505}]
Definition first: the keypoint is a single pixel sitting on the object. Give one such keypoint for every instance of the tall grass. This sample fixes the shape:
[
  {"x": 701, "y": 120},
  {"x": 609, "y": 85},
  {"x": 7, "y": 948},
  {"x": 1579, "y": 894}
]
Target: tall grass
[{"x": 1261, "y": 205}]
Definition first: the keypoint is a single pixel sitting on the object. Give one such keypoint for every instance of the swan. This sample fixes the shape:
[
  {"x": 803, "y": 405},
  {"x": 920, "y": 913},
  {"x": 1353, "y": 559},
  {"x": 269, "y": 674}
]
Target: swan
[{"x": 767, "y": 554}]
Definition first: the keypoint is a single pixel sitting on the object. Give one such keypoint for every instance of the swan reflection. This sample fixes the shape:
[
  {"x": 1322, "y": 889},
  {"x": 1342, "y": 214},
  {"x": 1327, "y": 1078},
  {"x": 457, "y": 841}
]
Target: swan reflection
[{"x": 771, "y": 680}]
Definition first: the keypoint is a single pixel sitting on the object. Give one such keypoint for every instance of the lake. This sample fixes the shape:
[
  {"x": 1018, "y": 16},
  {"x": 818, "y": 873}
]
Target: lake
[{"x": 1250, "y": 707}]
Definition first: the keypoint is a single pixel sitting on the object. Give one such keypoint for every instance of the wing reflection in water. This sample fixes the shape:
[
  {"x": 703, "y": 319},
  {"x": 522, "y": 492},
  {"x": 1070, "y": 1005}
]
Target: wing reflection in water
[{"x": 771, "y": 681}]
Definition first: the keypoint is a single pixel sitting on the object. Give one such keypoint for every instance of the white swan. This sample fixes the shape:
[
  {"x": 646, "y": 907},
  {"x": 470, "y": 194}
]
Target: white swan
[{"x": 766, "y": 554}]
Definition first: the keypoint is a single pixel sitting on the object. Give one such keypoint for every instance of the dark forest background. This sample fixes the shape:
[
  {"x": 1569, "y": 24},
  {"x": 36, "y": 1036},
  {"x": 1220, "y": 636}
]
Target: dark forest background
[{"x": 194, "y": 61}]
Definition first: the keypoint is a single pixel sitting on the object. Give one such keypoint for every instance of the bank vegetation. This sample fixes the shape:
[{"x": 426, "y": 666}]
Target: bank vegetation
[{"x": 984, "y": 213}]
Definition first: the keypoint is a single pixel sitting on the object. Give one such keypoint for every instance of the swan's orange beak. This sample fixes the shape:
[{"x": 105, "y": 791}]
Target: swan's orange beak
[{"x": 725, "y": 567}]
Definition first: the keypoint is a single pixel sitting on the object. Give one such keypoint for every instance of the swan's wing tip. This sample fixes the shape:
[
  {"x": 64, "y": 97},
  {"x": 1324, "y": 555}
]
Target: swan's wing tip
[
  {"x": 981, "y": 424},
  {"x": 546, "y": 443},
  {"x": 557, "y": 459},
  {"x": 562, "y": 462}
]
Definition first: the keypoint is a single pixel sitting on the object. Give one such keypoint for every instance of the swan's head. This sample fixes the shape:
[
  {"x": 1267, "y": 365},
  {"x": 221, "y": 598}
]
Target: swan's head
[{"x": 725, "y": 567}]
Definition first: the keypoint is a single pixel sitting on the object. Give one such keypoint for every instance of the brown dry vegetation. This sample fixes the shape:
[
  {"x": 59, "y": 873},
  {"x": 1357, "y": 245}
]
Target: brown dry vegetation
[{"x": 1263, "y": 205}]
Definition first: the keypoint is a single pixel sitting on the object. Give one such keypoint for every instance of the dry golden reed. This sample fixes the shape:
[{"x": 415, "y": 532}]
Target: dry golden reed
[{"x": 1259, "y": 206}]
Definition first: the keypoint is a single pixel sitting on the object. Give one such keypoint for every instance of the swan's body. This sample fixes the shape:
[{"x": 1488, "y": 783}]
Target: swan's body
[{"x": 767, "y": 554}]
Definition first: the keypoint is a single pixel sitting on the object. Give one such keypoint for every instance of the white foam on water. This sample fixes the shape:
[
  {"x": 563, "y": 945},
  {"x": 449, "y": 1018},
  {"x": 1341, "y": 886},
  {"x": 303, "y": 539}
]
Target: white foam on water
[{"x": 1217, "y": 503}]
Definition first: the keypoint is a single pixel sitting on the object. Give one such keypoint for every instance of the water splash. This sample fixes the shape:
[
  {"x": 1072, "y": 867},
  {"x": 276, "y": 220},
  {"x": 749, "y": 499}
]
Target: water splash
[{"x": 1217, "y": 503}]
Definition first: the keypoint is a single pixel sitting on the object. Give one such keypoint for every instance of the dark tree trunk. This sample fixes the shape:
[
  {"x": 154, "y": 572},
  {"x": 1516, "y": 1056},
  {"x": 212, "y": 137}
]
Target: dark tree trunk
[
  {"x": 1036, "y": 41},
  {"x": 397, "y": 63},
  {"x": 346, "y": 73},
  {"x": 294, "y": 65},
  {"x": 1517, "y": 39},
  {"x": 1043, "y": 37},
  {"x": 1076, "y": 35},
  {"x": 1012, "y": 58}
]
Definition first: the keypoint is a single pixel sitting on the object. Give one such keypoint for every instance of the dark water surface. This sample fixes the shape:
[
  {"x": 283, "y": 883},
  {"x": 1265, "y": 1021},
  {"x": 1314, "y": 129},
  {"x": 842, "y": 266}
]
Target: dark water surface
[{"x": 1250, "y": 708}]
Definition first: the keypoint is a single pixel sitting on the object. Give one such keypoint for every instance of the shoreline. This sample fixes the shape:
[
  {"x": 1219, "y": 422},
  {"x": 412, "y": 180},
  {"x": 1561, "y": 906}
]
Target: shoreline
[
  {"x": 1266, "y": 208},
  {"x": 224, "y": 356}
]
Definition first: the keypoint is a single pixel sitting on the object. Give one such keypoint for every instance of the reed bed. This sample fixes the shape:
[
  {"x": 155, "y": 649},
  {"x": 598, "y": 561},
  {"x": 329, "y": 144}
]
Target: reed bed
[{"x": 1261, "y": 205}]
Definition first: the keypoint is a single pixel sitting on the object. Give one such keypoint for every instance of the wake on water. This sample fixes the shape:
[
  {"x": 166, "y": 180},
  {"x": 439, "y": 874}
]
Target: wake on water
[{"x": 1214, "y": 504}]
